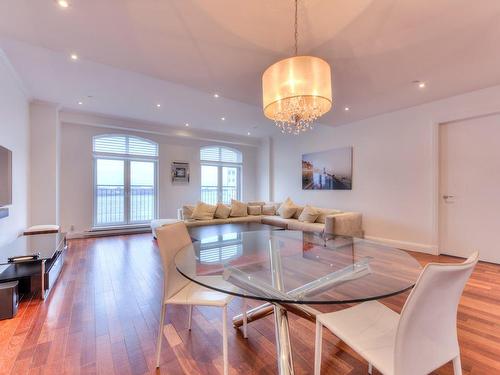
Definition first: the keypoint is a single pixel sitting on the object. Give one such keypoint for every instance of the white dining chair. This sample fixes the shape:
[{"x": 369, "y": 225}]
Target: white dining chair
[
  {"x": 420, "y": 340},
  {"x": 178, "y": 290}
]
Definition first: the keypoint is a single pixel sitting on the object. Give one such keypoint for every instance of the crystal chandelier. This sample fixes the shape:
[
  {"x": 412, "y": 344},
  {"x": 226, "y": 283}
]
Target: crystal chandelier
[{"x": 296, "y": 91}]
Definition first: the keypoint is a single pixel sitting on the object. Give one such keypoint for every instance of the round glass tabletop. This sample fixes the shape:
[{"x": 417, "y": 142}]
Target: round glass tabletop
[{"x": 297, "y": 267}]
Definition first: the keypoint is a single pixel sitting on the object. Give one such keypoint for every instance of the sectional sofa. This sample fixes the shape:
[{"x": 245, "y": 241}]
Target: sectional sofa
[{"x": 330, "y": 221}]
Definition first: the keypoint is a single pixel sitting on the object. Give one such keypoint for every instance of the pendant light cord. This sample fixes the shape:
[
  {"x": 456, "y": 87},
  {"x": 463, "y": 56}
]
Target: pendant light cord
[{"x": 296, "y": 29}]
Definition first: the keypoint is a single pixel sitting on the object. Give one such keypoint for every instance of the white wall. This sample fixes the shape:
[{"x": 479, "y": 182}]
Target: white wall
[
  {"x": 77, "y": 172},
  {"x": 14, "y": 134},
  {"x": 45, "y": 162},
  {"x": 264, "y": 169},
  {"x": 394, "y": 167}
]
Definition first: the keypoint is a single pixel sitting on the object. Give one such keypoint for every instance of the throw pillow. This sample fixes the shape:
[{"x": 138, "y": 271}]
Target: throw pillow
[
  {"x": 269, "y": 209},
  {"x": 309, "y": 214},
  {"x": 187, "y": 212},
  {"x": 324, "y": 212},
  {"x": 238, "y": 209},
  {"x": 222, "y": 211},
  {"x": 298, "y": 212},
  {"x": 254, "y": 210},
  {"x": 204, "y": 211},
  {"x": 287, "y": 209}
]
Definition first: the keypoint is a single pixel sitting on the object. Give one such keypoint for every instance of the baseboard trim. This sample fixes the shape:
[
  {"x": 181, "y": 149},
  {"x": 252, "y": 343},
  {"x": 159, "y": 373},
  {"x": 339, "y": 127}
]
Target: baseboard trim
[
  {"x": 406, "y": 245},
  {"x": 107, "y": 233}
]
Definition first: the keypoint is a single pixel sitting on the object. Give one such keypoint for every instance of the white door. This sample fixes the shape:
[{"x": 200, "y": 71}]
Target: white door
[{"x": 469, "y": 180}]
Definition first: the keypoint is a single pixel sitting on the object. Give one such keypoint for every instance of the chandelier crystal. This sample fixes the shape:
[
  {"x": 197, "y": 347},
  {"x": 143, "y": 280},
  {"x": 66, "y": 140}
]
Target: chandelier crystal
[{"x": 297, "y": 91}]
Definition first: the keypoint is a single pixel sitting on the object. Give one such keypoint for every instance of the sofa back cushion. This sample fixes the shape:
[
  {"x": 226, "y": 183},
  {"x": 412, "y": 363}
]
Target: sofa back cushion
[
  {"x": 324, "y": 212},
  {"x": 269, "y": 210},
  {"x": 222, "y": 211},
  {"x": 309, "y": 214},
  {"x": 254, "y": 210},
  {"x": 256, "y": 203},
  {"x": 187, "y": 211},
  {"x": 204, "y": 211},
  {"x": 238, "y": 208}
]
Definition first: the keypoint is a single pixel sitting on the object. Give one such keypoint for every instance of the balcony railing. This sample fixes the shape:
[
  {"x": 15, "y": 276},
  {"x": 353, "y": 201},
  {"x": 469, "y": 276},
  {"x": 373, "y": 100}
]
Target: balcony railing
[
  {"x": 209, "y": 194},
  {"x": 110, "y": 204}
]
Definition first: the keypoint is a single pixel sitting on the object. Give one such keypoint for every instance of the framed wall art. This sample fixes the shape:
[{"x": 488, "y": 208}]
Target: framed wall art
[
  {"x": 180, "y": 172},
  {"x": 327, "y": 170}
]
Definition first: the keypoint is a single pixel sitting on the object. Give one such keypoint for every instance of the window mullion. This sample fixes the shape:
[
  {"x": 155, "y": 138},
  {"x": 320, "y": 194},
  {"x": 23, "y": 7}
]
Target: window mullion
[
  {"x": 127, "y": 191},
  {"x": 219, "y": 184}
]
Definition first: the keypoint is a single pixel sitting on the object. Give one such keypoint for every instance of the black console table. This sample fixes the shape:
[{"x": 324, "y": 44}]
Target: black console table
[{"x": 35, "y": 261}]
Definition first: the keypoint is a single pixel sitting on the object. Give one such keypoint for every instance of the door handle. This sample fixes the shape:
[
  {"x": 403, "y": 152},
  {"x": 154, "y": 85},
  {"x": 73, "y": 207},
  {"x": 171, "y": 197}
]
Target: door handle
[{"x": 448, "y": 196}]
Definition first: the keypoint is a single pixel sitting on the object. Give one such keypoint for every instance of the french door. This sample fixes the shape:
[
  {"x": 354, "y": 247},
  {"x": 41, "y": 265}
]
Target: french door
[
  {"x": 220, "y": 183},
  {"x": 125, "y": 191}
]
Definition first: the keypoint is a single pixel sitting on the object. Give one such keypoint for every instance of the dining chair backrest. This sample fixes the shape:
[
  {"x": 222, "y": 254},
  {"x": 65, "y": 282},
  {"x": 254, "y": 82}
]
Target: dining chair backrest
[
  {"x": 171, "y": 239},
  {"x": 426, "y": 337}
]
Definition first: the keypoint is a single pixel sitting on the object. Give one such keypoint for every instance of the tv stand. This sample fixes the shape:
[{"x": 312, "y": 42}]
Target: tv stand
[{"x": 38, "y": 274}]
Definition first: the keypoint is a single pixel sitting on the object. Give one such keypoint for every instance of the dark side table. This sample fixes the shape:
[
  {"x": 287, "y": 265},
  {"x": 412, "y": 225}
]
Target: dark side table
[{"x": 35, "y": 261}]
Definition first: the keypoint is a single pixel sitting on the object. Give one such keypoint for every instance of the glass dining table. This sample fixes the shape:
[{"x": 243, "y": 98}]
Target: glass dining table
[{"x": 291, "y": 270}]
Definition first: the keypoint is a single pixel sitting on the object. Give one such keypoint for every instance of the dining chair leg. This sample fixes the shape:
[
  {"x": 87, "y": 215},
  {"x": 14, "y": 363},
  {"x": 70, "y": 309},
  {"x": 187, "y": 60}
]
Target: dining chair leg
[
  {"x": 457, "y": 365},
  {"x": 160, "y": 334},
  {"x": 224, "y": 340},
  {"x": 370, "y": 368},
  {"x": 317, "y": 348},
  {"x": 190, "y": 316}
]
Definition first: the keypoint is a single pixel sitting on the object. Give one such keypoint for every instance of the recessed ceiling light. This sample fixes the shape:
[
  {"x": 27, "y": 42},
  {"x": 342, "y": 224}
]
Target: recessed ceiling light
[
  {"x": 223, "y": 118},
  {"x": 419, "y": 84},
  {"x": 80, "y": 103},
  {"x": 74, "y": 56},
  {"x": 346, "y": 109},
  {"x": 216, "y": 95},
  {"x": 186, "y": 124},
  {"x": 63, "y": 3},
  {"x": 158, "y": 105},
  {"x": 248, "y": 133}
]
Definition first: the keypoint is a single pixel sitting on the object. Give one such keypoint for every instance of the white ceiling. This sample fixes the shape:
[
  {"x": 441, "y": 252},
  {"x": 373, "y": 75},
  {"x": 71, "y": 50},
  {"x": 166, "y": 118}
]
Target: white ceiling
[{"x": 136, "y": 53}]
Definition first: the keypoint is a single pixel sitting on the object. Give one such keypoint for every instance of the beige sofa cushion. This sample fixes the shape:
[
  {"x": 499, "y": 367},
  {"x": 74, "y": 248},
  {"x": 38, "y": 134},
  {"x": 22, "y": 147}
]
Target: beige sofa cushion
[
  {"x": 309, "y": 214},
  {"x": 254, "y": 210},
  {"x": 238, "y": 208},
  {"x": 269, "y": 209},
  {"x": 287, "y": 209},
  {"x": 323, "y": 212},
  {"x": 222, "y": 211},
  {"x": 244, "y": 219},
  {"x": 256, "y": 203},
  {"x": 305, "y": 227},
  {"x": 229, "y": 220},
  {"x": 298, "y": 212},
  {"x": 277, "y": 221},
  {"x": 204, "y": 211},
  {"x": 187, "y": 211}
]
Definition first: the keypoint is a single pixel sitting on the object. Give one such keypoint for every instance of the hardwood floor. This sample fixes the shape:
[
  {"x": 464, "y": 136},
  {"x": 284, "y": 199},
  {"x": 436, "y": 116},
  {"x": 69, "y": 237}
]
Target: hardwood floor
[{"x": 102, "y": 318}]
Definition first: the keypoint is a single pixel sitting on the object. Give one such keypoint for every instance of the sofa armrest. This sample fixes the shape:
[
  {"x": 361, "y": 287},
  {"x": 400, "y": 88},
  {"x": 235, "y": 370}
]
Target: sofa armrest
[
  {"x": 344, "y": 224},
  {"x": 180, "y": 214}
]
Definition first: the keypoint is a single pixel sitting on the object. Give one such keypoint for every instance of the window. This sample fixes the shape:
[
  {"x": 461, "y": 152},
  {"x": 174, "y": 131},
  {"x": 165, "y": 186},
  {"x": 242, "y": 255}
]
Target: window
[
  {"x": 125, "y": 180},
  {"x": 220, "y": 174}
]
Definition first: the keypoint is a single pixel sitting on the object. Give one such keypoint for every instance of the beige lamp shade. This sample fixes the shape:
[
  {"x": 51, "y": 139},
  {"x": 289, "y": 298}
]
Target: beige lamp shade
[{"x": 297, "y": 89}]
